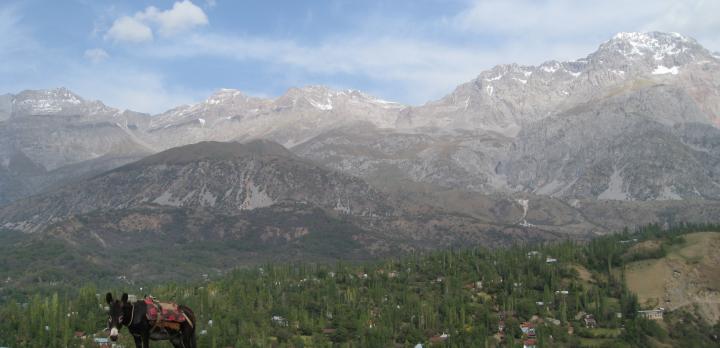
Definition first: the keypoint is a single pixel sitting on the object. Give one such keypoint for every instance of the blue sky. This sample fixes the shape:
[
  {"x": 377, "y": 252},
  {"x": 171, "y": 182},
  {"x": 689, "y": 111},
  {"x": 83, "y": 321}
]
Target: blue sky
[{"x": 153, "y": 55}]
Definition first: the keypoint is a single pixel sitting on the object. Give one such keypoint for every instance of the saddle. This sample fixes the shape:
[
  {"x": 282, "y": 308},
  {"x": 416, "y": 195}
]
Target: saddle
[{"x": 166, "y": 315}]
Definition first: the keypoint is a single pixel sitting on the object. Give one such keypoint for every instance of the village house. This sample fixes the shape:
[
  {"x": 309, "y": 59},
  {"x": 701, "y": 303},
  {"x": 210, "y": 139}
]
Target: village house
[
  {"x": 278, "y": 320},
  {"x": 550, "y": 260},
  {"x": 102, "y": 342},
  {"x": 527, "y": 327},
  {"x": 501, "y": 326},
  {"x": 553, "y": 321},
  {"x": 439, "y": 338},
  {"x": 474, "y": 285},
  {"x": 530, "y": 343},
  {"x": 652, "y": 314},
  {"x": 589, "y": 321}
]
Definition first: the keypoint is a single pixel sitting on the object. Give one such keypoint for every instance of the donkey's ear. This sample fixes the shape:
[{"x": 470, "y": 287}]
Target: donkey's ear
[
  {"x": 124, "y": 298},
  {"x": 108, "y": 298}
]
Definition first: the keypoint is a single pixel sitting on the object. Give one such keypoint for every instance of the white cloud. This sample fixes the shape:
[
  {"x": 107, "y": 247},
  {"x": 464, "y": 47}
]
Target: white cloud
[
  {"x": 96, "y": 55},
  {"x": 129, "y": 29},
  {"x": 182, "y": 17}
]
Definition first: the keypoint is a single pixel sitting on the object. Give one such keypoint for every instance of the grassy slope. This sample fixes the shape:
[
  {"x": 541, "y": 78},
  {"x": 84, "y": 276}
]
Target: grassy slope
[{"x": 688, "y": 276}]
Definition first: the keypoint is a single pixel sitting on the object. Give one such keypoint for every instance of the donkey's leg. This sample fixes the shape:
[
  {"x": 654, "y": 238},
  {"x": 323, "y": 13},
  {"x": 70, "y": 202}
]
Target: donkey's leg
[
  {"x": 176, "y": 342},
  {"x": 138, "y": 341},
  {"x": 146, "y": 340},
  {"x": 188, "y": 336},
  {"x": 190, "y": 341}
]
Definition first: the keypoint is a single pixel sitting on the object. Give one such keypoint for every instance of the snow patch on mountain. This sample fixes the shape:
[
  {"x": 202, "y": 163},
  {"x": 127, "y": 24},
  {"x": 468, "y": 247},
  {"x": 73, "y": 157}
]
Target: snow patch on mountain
[
  {"x": 550, "y": 68},
  {"x": 327, "y": 106},
  {"x": 494, "y": 78},
  {"x": 662, "y": 70}
]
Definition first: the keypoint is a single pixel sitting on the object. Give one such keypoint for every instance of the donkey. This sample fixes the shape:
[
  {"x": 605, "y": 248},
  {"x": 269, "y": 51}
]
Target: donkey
[{"x": 133, "y": 315}]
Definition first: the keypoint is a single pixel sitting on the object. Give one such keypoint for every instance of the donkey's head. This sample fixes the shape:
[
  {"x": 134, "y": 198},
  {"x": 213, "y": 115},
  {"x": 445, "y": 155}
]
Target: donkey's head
[{"x": 117, "y": 313}]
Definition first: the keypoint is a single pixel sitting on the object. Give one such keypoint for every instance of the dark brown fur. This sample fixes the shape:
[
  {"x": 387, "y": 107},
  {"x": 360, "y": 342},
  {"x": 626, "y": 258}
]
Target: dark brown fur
[{"x": 123, "y": 313}]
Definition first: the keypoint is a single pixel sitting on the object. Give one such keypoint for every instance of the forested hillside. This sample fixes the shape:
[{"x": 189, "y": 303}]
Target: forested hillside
[{"x": 552, "y": 295}]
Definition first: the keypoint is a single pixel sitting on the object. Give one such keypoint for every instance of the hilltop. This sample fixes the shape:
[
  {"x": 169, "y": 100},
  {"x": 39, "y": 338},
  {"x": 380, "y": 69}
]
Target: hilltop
[{"x": 687, "y": 277}]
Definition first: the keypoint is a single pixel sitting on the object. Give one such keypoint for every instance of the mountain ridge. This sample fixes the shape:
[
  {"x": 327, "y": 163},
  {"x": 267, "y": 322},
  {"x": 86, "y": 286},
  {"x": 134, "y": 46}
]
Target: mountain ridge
[{"x": 465, "y": 140}]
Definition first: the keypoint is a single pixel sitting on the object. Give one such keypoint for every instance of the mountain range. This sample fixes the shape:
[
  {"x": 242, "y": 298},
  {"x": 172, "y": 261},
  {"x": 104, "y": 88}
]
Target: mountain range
[{"x": 625, "y": 136}]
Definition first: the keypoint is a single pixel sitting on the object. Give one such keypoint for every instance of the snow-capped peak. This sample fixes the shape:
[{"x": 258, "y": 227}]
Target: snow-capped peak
[
  {"x": 325, "y": 99},
  {"x": 53, "y": 101},
  {"x": 57, "y": 95},
  {"x": 652, "y": 44},
  {"x": 223, "y": 95}
]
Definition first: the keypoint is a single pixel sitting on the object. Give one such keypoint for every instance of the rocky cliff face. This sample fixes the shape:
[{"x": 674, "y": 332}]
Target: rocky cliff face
[
  {"x": 508, "y": 97},
  {"x": 43, "y": 131},
  {"x": 225, "y": 177},
  {"x": 294, "y": 117},
  {"x": 634, "y": 146},
  {"x": 613, "y": 125}
]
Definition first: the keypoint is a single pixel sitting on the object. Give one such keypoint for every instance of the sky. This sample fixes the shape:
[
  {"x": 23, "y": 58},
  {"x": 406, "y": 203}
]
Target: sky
[{"x": 150, "y": 56}]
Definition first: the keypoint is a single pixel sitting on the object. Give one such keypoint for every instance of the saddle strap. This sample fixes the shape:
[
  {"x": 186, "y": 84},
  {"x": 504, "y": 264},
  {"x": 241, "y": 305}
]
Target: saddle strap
[
  {"x": 188, "y": 319},
  {"x": 159, "y": 317}
]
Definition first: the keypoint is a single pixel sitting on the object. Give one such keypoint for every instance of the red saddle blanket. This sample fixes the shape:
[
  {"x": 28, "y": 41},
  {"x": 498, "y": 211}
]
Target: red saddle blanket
[{"x": 166, "y": 311}]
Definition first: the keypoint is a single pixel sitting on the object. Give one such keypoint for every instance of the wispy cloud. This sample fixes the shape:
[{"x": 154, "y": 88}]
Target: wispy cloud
[
  {"x": 576, "y": 22},
  {"x": 96, "y": 55},
  {"x": 417, "y": 67},
  {"x": 131, "y": 88},
  {"x": 17, "y": 45},
  {"x": 411, "y": 58}
]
